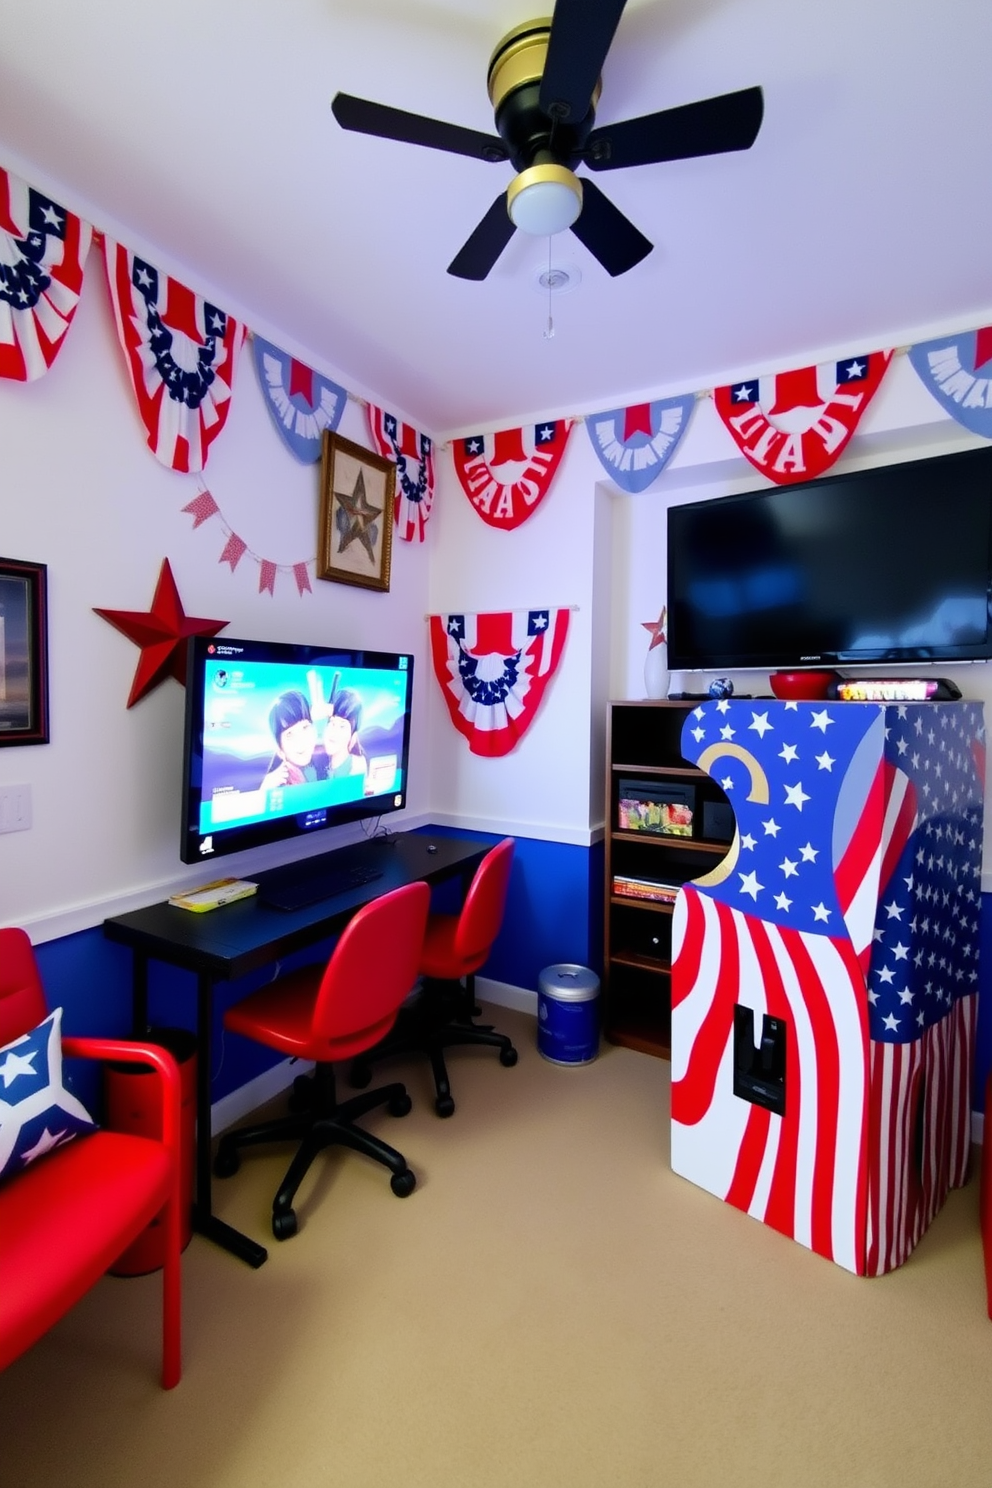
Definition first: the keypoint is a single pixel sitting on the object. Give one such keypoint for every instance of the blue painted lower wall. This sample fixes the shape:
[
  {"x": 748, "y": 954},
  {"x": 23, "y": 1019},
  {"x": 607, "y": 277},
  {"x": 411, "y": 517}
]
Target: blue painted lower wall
[{"x": 554, "y": 914}]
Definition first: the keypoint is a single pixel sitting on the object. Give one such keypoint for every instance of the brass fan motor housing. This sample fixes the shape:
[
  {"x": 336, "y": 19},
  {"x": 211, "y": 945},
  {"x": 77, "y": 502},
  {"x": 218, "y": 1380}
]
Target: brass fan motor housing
[{"x": 516, "y": 69}]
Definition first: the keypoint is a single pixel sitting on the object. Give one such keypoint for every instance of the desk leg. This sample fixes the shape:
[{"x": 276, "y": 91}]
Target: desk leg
[{"x": 205, "y": 1221}]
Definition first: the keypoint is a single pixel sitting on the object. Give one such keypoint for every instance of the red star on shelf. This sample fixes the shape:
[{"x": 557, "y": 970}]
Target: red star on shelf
[
  {"x": 162, "y": 633},
  {"x": 657, "y": 628}
]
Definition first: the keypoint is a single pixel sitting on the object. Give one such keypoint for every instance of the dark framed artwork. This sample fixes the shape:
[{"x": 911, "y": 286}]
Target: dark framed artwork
[
  {"x": 357, "y": 491},
  {"x": 23, "y": 652}
]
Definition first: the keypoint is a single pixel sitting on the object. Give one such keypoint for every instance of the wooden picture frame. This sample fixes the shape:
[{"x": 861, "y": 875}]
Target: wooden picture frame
[
  {"x": 357, "y": 493},
  {"x": 23, "y": 652}
]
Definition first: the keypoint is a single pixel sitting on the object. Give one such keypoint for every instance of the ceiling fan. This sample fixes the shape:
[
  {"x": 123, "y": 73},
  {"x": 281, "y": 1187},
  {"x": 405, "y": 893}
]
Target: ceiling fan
[{"x": 544, "y": 84}]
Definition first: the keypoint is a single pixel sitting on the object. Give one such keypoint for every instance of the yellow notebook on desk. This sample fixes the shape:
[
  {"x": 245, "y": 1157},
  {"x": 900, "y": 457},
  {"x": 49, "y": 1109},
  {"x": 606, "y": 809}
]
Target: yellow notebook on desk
[{"x": 213, "y": 895}]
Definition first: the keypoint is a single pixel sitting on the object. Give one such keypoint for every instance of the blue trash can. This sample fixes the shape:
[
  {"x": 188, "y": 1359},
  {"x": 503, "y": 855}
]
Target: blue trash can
[{"x": 568, "y": 1014}]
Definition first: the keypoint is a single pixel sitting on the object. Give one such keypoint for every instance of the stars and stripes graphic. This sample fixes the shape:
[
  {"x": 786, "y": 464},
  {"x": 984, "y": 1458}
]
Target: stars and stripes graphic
[
  {"x": 494, "y": 669},
  {"x": 413, "y": 454},
  {"x": 847, "y": 909},
  {"x": 43, "y": 252},
  {"x": 507, "y": 475},
  {"x": 792, "y": 426},
  {"x": 181, "y": 353},
  {"x": 635, "y": 444},
  {"x": 958, "y": 371},
  {"x": 303, "y": 403}
]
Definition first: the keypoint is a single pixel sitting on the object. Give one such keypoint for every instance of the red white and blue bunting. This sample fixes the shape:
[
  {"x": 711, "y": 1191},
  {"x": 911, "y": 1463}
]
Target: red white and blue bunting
[
  {"x": 507, "y": 475},
  {"x": 181, "y": 353},
  {"x": 635, "y": 444},
  {"x": 493, "y": 671},
  {"x": 958, "y": 371},
  {"x": 793, "y": 426},
  {"x": 413, "y": 454},
  {"x": 43, "y": 252},
  {"x": 303, "y": 403}
]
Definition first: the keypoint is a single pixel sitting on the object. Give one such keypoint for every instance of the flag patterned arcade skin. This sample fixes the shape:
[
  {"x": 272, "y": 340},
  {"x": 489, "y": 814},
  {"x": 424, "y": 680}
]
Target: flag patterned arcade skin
[{"x": 843, "y": 924}]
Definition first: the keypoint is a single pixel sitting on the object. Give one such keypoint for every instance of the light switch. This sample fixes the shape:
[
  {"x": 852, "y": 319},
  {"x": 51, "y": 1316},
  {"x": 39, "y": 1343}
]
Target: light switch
[{"x": 15, "y": 808}]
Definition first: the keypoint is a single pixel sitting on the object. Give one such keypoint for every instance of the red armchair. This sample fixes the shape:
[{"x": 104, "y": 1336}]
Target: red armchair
[{"x": 67, "y": 1216}]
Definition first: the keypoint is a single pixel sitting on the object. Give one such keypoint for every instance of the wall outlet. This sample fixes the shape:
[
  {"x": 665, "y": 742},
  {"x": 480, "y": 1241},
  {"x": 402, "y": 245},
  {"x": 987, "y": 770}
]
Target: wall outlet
[{"x": 15, "y": 808}]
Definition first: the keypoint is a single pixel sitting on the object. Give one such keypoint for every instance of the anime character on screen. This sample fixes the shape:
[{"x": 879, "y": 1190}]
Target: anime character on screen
[
  {"x": 299, "y": 758},
  {"x": 345, "y": 754}
]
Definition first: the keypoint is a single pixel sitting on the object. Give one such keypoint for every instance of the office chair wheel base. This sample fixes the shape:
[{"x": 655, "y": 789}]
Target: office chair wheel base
[
  {"x": 227, "y": 1162},
  {"x": 301, "y": 1098},
  {"x": 284, "y": 1225},
  {"x": 403, "y": 1183},
  {"x": 444, "y": 1105},
  {"x": 508, "y": 1057},
  {"x": 359, "y": 1076},
  {"x": 401, "y": 1106}
]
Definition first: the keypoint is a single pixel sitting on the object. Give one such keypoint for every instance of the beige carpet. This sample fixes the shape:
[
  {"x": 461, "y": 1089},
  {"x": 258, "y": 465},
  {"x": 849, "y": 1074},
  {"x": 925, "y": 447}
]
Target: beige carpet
[{"x": 550, "y": 1307}]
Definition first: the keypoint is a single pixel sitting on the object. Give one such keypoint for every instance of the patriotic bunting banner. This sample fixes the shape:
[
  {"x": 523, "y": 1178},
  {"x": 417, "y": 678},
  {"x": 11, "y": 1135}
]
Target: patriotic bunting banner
[
  {"x": 507, "y": 475},
  {"x": 958, "y": 371},
  {"x": 847, "y": 909},
  {"x": 493, "y": 671},
  {"x": 43, "y": 251},
  {"x": 635, "y": 444},
  {"x": 181, "y": 354},
  {"x": 413, "y": 454},
  {"x": 302, "y": 402},
  {"x": 203, "y": 506},
  {"x": 792, "y": 426}
]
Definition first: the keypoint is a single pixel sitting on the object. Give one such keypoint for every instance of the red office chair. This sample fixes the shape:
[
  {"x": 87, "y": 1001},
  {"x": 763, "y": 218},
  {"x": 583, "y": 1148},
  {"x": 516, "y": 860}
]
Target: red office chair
[
  {"x": 67, "y": 1216},
  {"x": 454, "y": 949},
  {"x": 331, "y": 1013}
]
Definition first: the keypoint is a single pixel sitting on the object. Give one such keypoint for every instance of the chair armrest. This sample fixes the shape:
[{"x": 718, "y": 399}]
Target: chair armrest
[{"x": 162, "y": 1062}]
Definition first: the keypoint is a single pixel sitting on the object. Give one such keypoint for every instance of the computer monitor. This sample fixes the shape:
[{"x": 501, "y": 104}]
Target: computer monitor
[{"x": 282, "y": 741}]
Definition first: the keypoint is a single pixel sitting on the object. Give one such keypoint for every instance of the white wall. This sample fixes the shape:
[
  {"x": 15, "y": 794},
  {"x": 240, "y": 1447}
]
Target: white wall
[{"x": 81, "y": 492}]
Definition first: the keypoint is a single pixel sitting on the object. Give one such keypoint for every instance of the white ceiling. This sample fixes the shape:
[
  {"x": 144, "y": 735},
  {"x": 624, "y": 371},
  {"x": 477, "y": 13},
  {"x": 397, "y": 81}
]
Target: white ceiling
[{"x": 862, "y": 214}]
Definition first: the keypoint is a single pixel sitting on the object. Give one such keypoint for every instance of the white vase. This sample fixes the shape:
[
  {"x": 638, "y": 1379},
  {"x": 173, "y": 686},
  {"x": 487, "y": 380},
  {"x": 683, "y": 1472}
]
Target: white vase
[{"x": 656, "y": 671}]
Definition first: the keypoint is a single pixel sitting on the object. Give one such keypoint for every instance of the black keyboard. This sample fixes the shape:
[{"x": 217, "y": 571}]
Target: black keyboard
[{"x": 303, "y": 888}]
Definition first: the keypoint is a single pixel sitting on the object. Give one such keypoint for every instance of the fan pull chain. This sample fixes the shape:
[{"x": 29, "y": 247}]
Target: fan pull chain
[{"x": 549, "y": 329}]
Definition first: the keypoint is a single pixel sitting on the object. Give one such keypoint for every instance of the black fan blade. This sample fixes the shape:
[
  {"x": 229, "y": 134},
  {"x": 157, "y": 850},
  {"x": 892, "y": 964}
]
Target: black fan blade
[
  {"x": 414, "y": 129},
  {"x": 479, "y": 254},
  {"x": 607, "y": 233},
  {"x": 581, "y": 33},
  {"x": 710, "y": 127}
]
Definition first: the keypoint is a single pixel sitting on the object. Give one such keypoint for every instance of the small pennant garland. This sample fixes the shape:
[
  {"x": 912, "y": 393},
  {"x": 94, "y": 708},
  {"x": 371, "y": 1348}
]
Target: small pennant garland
[
  {"x": 203, "y": 506},
  {"x": 493, "y": 671},
  {"x": 43, "y": 251},
  {"x": 792, "y": 426},
  {"x": 414, "y": 457},
  {"x": 506, "y": 475},
  {"x": 635, "y": 444},
  {"x": 302, "y": 402},
  {"x": 181, "y": 353},
  {"x": 958, "y": 371}
]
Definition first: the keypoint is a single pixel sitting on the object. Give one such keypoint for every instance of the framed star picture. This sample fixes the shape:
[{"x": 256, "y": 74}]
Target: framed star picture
[
  {"x": 355, "y": 537},
  {"x": 23, "y": 652}
]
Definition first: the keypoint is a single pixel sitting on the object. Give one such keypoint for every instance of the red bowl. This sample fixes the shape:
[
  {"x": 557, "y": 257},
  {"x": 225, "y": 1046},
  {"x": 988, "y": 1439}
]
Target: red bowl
[{"x": 808, "y": 686}]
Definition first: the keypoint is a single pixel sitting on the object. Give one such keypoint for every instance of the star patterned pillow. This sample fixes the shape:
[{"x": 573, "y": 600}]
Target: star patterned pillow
[{"x": 37, "y": 1113}]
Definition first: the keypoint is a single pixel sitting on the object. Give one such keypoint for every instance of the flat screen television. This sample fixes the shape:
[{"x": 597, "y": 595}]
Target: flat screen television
[
  {"x": 282, "y": 741},
  {"x": 891, "y": 565}
]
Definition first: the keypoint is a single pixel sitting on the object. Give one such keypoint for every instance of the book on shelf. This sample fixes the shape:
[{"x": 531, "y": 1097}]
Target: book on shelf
[
  {"x": 626, "y": 887},
  {"x": 213, "y": 895}
]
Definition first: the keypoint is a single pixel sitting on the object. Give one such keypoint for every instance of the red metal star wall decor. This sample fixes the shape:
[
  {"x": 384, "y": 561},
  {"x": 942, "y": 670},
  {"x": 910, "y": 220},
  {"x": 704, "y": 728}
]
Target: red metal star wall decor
[{"x": 162, "y": 633}]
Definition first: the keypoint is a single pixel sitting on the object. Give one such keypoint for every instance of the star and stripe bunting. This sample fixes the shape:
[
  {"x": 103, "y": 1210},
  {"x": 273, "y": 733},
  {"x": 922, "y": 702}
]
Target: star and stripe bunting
[
  {"x": 847, "y": 908},
  {"x": 507, "y": 475},
  {"x": 957, "y": 370},
  {"x": 413, "y": 455},
  {"x": 793, "y": 426},
  {"x": 635, "y": 444},
  {"x": 493, "y": 671},
  {"x": 303, "y": 403},
  {"x": 181, "y": 353},
  {"x": 43, "y": 252}
]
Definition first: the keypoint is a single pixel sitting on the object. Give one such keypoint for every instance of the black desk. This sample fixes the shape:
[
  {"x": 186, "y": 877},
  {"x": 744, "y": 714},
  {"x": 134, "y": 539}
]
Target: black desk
[{"x": 226, "y": 943}]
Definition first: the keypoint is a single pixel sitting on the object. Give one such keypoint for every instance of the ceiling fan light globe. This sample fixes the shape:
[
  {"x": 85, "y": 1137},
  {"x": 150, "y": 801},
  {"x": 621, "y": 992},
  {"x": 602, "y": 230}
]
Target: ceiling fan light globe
[{"x": 544, "y": 200}]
